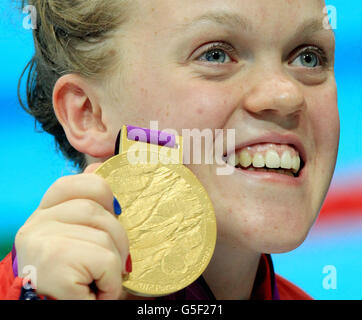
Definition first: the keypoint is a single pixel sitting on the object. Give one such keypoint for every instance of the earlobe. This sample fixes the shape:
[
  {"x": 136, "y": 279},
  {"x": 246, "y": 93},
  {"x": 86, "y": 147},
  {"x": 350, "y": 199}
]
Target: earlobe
[{"x": 78, "y": 110}]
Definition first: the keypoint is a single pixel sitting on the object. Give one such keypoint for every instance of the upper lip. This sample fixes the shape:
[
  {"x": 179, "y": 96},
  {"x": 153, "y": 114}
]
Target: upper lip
[{"x": 288, "y": 139}]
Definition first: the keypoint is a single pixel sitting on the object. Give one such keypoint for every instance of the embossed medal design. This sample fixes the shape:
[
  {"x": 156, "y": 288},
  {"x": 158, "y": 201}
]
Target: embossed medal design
[{"x": 166, "y": 212}]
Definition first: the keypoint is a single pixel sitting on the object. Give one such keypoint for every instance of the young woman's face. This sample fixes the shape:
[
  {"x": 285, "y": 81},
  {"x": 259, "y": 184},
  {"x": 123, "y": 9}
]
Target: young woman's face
[{"x": 263, "y": 68}]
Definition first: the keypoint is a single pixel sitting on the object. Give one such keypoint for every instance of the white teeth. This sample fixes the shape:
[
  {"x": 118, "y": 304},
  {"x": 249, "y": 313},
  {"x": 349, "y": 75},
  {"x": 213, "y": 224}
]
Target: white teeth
[
  {"x": 296, "y": 164},
  {"x": 258, "y": 160},
  {"x": 272, "y": 159},
  {"x": 233, "y": 160},
  {"x": 286, "y": 160},
  {"x": 245, "y": 159}
]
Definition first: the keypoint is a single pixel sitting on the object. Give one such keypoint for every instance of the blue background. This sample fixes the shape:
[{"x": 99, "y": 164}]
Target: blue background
[{"x": 30, "y": 164}]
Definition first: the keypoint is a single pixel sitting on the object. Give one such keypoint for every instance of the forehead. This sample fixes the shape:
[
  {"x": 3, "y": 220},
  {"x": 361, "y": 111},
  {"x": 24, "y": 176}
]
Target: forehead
[{"x": 251, "y": 14}]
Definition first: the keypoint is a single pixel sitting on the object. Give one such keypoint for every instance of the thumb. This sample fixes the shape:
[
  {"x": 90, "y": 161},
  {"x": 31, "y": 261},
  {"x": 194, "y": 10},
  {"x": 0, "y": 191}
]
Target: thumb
[
  {"x": 92, "y": 167},
  {"x": 89, "y": 170}
]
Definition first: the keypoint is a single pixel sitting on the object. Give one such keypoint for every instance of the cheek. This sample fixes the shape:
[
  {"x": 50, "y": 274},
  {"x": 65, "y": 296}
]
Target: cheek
[
  {"x": 201, "y": 105},
  {"x": 325, "y": 122},
  {"x": 183, "y": 104}
]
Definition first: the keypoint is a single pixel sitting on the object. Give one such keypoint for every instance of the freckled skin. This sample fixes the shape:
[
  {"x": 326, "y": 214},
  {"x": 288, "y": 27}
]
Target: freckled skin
[{"x": 260, "y": 92}]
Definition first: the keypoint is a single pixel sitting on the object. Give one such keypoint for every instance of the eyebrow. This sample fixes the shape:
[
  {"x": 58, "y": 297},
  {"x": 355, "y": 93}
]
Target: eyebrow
[
  {"x": 230, "y": 20},
  {"x": 310, "y": 26},
  {"x": 237, "y": 22}
]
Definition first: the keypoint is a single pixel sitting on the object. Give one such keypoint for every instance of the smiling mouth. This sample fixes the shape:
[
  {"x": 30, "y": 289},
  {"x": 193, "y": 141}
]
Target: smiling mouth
[{"x": 268, "y": 157}]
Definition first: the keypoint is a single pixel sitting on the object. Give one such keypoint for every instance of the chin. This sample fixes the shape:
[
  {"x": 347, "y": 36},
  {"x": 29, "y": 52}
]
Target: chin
[
  {"x": 264, "y": 231},
  {"x": 264, "y": 213},
  {"x": 287, "y": 232},
  {"x": 282, "y": 244}
]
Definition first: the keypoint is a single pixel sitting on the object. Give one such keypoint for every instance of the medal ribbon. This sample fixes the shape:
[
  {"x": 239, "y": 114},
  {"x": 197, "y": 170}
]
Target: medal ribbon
[{"x": 160, "y": 138}]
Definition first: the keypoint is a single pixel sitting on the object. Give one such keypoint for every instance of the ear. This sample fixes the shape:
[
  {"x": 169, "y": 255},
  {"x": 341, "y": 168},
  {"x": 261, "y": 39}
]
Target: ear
[{"x": 79, "y": 111}]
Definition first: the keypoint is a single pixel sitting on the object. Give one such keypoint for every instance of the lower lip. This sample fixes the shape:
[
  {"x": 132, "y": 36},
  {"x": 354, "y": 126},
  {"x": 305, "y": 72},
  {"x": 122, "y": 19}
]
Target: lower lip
[{"x": 275, "y": 177}]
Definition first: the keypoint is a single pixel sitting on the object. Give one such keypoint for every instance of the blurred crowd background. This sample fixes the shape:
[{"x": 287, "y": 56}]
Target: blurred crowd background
[{"x": 328, "y": 265}]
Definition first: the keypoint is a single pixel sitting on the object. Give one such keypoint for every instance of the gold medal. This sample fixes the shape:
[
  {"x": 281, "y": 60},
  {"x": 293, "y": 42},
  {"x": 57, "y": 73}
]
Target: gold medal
[{"x": 166, "y": 212}]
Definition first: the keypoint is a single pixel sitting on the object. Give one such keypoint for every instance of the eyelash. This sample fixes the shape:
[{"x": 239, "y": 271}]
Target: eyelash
[
  {"x": 219, "y": 46},
  {"x": 231, "y": 51},
  {"x": 323, "y": 59}
]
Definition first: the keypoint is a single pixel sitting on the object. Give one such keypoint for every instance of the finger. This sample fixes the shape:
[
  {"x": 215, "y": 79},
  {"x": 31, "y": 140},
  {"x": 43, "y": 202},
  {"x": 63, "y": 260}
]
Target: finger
[
  {"x": 81, "y": 232},
  {"x": 82, "y": 186},
  {"x": 91, "y": 214},
  {"x": 105, "y": 269},
  {"x": 109, "y": 283},
  {"x": 82, "y": 266}
]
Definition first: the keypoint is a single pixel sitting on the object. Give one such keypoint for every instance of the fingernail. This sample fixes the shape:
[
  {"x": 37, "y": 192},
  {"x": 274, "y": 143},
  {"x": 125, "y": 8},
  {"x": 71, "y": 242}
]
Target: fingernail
[
  {"x": 129, "y": 264},
  {"x": 116, "y": 207}
]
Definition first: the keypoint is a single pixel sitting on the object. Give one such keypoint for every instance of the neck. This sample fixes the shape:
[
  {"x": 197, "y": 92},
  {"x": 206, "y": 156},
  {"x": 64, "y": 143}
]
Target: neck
[{"x": 231, "y": 272}]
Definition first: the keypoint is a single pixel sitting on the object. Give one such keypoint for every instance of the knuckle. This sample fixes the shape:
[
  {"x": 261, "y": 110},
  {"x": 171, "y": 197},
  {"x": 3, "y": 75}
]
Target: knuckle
[
  {"x": 111, "y": 259},
  {"x": 87, "y": 206},
  {"x": 106, "y": 240},
  {"x": 54, "y": 251},
  {"x": 62, "y": 183},
  {"x": 116, "y": 233},
  {"x": 51, "y": 249},
  {"x": 20, "y": 235},
  {"x": 100, "y": 186},
  {"x": 23, "y": 235}
]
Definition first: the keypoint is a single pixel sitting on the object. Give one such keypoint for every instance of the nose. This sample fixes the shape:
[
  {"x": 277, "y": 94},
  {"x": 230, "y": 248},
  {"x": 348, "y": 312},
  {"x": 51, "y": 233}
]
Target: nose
[{"x": 274, "y": 94}]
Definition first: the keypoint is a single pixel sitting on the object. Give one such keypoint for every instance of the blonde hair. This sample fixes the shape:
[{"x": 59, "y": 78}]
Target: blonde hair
[{"x": 71, "y": 36}]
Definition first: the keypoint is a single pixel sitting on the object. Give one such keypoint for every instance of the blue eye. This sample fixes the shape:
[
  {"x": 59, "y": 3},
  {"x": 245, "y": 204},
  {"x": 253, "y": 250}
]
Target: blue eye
[
  {"x": 217, "y": 54},
  {"x": 310, "y": 59}
]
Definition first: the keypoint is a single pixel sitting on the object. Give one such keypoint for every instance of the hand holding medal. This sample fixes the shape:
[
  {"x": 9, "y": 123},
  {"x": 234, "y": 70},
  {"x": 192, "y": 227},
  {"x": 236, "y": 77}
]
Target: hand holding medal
[{"x": 166, "y": 212}]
